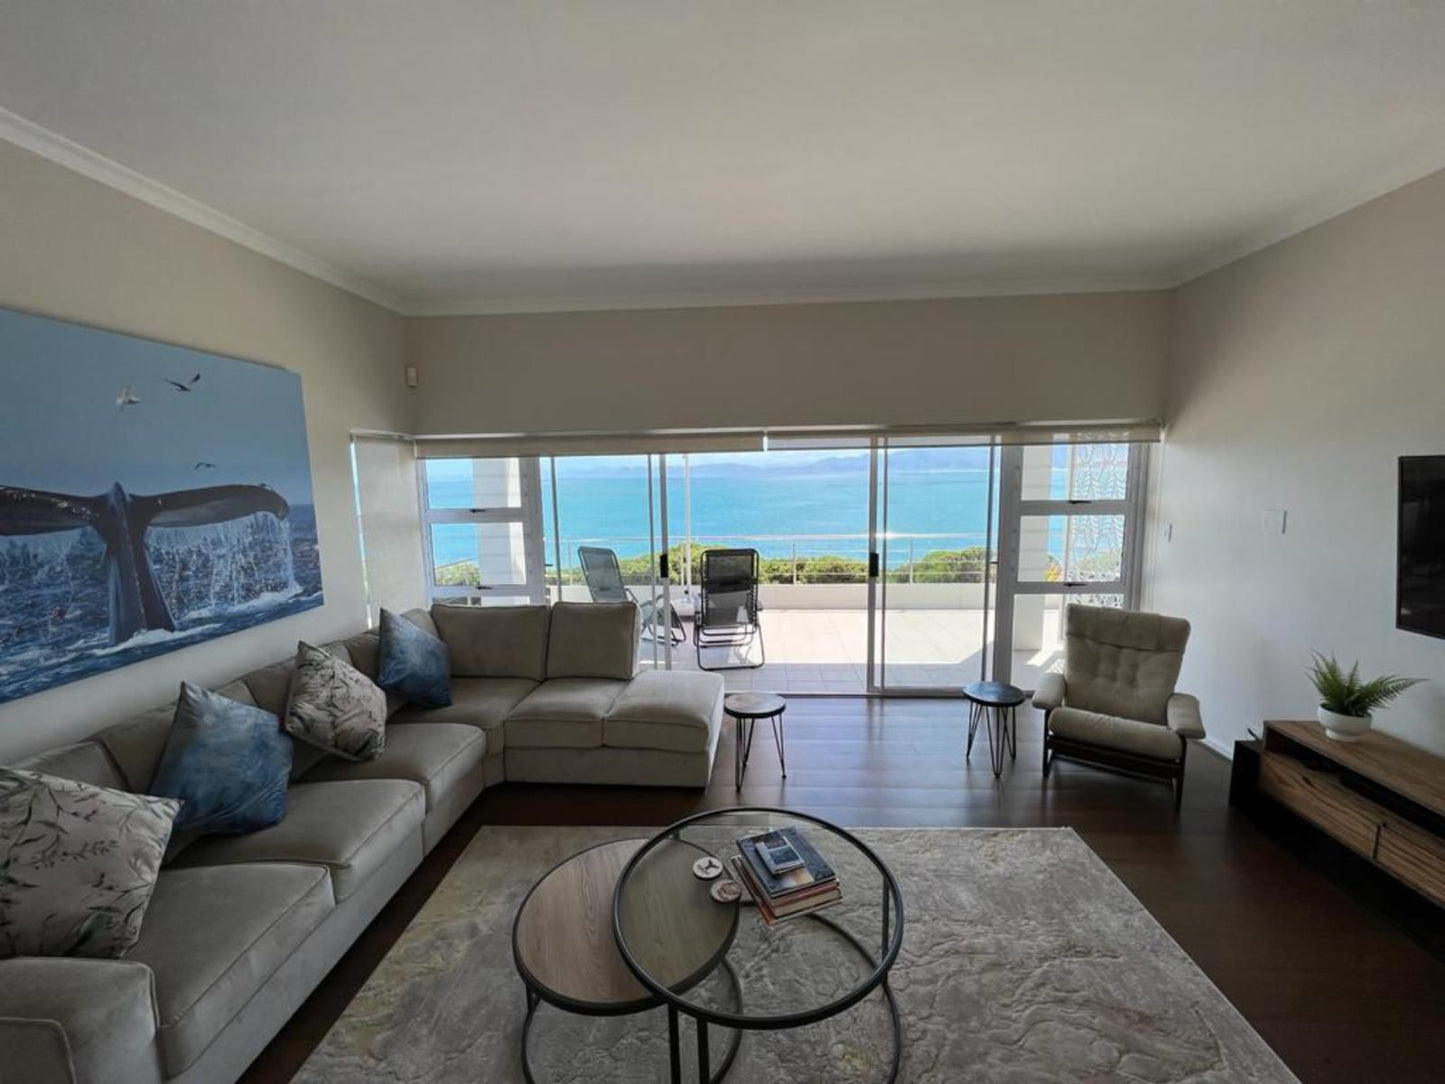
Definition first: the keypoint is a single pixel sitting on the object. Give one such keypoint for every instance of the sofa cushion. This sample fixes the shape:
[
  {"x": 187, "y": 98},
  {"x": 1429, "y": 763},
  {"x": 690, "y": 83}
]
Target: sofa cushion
[
  {"x": 594, "y": 639},
  {"x": 661, "y": 710},
  {"x": 566, "y": 713},
  {"x": 334, "y": 706},
  {"x": 495, "y": 641},
  {"x": 227, "y": 762},
  {"x": 413, "y": 663},
  {"x": 351, "y": 827},
  {"x": 83, "y": 761},
  {"x": 214, "y": 935},
  {"x": 479, "y": 702},
  {"x": 1111, "y": 732},
  {"x": 436, "y": 755},
  {"x": 78, "y": 864}
]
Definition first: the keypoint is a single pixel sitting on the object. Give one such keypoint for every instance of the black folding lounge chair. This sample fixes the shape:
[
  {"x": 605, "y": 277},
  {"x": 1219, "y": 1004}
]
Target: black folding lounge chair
[
  {"x": 604, "y": 584},
  {"x": 727, "y": 612}
]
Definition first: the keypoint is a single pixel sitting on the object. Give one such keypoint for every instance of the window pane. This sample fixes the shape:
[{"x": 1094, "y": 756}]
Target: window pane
[
  {"x": 1076, "y": 472},
  {"x": 474, "y": 483},
  {"x": 1038, "y": 646},
  {"x": 1068, "y": 549},
  {"x": 477, "y": 554}
]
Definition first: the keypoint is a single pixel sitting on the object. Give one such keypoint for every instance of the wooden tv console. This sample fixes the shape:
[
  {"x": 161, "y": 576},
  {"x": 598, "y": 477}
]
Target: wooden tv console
[{"x": 1378, "y": 797}]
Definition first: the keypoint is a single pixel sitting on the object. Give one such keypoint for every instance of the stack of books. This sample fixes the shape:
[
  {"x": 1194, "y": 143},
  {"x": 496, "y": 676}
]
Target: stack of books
[{"x": 785, "y": 875}]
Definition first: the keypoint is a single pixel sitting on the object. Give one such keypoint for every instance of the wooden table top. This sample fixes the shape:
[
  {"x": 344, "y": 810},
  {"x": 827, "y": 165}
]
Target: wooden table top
[{"x": 565, "y": 939}]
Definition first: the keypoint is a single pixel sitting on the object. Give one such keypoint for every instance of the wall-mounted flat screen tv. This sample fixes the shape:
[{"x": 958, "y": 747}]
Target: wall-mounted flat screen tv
[{"x": 1420, "y": 571}]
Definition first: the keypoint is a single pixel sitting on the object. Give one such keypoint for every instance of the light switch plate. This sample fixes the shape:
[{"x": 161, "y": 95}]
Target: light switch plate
[{"x": 1275, "y": 520}]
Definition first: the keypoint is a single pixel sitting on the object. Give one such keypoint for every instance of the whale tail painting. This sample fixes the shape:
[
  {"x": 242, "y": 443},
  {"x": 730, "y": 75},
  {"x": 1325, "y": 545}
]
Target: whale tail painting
[{"x": 121, "y": 520}]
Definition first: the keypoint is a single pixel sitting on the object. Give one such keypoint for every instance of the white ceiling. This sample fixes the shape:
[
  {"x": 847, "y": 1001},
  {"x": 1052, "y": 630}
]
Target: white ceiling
[{"x": 456, "y": 155}]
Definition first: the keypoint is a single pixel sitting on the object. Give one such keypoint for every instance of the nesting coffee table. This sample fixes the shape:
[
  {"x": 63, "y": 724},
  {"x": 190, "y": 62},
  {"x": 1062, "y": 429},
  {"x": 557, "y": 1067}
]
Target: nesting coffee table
[{"x": 665, "y": 936}]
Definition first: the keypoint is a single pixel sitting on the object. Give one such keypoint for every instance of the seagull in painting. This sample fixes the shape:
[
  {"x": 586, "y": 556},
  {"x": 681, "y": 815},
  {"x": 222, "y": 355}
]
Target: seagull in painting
[
  {"x": 203, "y": 465},
  {"x": 186, "y": 385},
  {"x": 126, "y": 398}
]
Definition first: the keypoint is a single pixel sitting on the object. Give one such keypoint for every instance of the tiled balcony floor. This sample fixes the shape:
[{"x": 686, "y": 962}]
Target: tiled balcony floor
[{"x": 826, "y": 651}]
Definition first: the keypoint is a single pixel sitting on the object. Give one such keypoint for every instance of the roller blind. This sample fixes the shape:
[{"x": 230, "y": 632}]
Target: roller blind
[
  {"x": 390, "y": 518},
  {"x": 565, "y": 444}
]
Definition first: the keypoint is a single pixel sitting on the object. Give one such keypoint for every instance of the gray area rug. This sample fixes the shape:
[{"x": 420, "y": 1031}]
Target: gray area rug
[{"x": 1024, "y": 959}]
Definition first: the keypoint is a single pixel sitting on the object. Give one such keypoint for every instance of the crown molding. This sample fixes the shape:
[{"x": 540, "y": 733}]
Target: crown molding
[
  {"x": 1371, "y": 185},
  {"x": 723, "y": 299},
  {"x": 65, "y": 152}
]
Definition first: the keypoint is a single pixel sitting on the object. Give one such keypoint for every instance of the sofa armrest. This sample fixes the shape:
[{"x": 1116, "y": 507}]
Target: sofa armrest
[
  {"x": 1051, "y": 691},
  {"x": 78, "y": 1020},
  {"x": 1181, "y": 714}
]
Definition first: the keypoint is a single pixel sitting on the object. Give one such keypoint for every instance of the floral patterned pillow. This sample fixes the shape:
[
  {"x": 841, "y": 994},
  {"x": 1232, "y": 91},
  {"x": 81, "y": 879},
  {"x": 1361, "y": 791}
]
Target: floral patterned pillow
[
  {"x": 335, "y": 707},
  {"x": 78, "y": 864}
]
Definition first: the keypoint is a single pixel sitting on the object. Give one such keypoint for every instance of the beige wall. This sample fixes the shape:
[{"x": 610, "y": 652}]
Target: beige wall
[
  {"x": 1056, "y": 357},
  {"x": 1299, "y": 375},
  {"x": 75, "y": 249}
]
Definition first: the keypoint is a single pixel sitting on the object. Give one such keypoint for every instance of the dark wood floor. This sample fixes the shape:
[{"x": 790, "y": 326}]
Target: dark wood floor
[{"x": 1334, "y": 987}]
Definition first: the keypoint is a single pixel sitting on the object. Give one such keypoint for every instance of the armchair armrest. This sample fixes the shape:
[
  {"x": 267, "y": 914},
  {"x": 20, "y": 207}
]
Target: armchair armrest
[
  {"x": 1181, "y": 714},
  {"x": 78, "y": 1020},
  {"x": 1051, "y": 691}
]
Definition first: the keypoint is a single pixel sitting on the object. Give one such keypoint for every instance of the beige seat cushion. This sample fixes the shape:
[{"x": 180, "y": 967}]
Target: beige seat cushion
[
  {"x": 659, "y": 710},
  {"x": 213, "y": 936},
  {"x": 479, "y": 702},
  {"x": 436, "y": 755},
  {"x": 1111, "y": 732},
  {"x": 594, "y": 639},
  {"x": 350, "y": 827},
  {"x": 566, "y": 713},
  {"x": 495, "y": 641}
]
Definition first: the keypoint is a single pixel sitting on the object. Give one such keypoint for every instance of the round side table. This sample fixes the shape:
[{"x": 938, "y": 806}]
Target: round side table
[
  {"x": 746, "y": 709},
  {"x": 995, "y": 704}
]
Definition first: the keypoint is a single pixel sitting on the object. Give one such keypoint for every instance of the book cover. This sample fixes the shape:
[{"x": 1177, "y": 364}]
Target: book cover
[
  {"x": 813, "y": 871},
  {"x": 772, "y": 913}
]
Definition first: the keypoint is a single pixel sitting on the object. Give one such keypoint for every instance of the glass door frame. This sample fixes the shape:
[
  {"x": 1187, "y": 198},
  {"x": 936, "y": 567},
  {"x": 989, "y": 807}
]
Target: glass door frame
[{"x": 876, "y": 683}]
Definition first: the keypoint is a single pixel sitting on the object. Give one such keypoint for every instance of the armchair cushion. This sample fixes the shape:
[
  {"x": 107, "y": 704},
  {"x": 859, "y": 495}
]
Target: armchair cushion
[
  {"x": 1122, "y": 663},
  {"x": 1050, "y": 694},
  {"x": 1182, "y": 716},
  {"x": 1111, "y": 732}
]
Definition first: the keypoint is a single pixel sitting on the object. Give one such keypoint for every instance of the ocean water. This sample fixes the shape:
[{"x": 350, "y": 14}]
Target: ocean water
[{"x": 809, "y": 512}]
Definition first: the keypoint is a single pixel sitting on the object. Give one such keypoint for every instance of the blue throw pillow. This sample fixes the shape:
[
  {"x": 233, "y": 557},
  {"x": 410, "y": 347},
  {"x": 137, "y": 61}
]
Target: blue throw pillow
[
  {"x": 414, "y": 663},
  {"x": 227, "y": 762}
]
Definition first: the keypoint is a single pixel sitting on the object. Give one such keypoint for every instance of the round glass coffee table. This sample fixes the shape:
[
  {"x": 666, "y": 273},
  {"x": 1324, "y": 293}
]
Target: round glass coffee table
[{"x": 800, "y": 971}]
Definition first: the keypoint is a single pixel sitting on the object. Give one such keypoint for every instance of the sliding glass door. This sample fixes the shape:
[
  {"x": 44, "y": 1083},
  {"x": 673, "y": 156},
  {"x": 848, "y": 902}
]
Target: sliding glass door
[{"x": 935, "y": 514}]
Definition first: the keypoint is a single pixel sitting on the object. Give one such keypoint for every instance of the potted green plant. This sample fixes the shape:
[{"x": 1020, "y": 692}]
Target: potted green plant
[{"x": 1347, "y": 703}]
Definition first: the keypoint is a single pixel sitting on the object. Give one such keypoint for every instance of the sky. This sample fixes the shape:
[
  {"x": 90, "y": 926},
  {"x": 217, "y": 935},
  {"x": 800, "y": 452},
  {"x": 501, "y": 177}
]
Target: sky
[{"x": 61, "y": 430}]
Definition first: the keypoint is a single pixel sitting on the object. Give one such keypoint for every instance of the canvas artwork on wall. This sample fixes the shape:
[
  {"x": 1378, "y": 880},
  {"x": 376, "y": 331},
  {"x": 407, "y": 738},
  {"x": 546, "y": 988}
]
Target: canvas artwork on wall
[{"x": 151, "y": 497}]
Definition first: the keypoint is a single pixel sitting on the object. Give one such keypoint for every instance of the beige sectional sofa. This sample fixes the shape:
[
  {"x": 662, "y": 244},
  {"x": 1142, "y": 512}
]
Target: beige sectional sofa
[{"x": 241, "y": 929}]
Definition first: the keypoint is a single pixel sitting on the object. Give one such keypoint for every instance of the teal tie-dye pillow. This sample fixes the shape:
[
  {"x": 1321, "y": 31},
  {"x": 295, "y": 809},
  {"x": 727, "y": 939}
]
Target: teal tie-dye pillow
[
  {"x": 227, "y": 762},
  {"x": 78, "y": 864},
  {"x": 413, "y": 662}
]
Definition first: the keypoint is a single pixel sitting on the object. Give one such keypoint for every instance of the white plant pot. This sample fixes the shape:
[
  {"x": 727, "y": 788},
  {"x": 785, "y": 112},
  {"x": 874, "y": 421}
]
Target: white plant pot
[{"x": 1343, "y": 727}]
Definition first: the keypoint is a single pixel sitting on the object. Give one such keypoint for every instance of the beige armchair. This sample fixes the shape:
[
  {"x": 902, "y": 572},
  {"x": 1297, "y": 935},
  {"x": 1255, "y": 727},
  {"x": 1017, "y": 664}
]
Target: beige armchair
[{"x": 1114, "y": 705}]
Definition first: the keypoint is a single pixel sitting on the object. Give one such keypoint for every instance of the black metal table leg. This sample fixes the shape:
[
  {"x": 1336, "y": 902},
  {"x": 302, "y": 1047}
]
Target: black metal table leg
[
  {"x": 780, "y": 741},
  {"x": 674, "y": 1054},
  {"x": 997, "y": 742},
  {"x": 704, "y": 1068}
]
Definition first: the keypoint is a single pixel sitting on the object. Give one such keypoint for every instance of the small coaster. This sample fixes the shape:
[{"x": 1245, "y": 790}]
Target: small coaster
[
  {"x": 707, "y": 868},
  {"x": 726, "y": 892}
]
